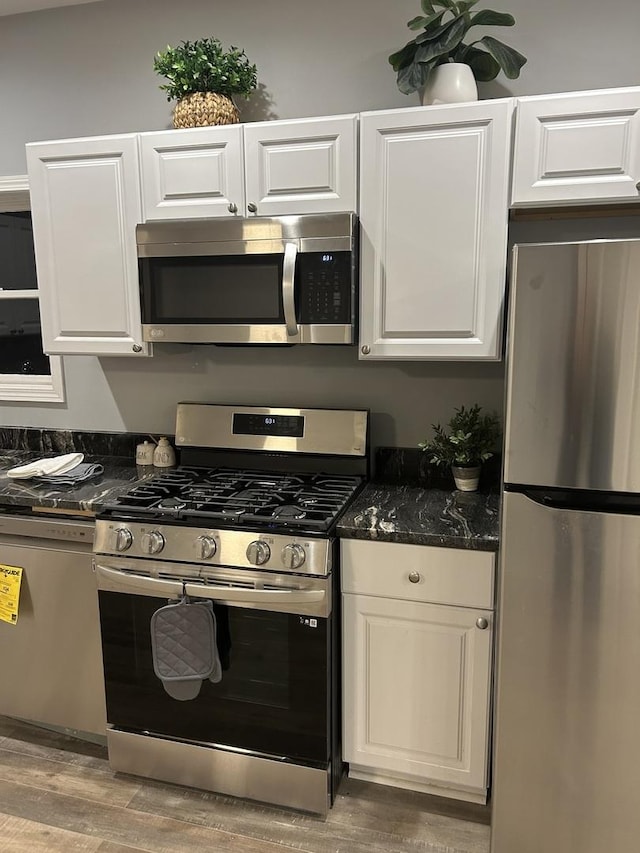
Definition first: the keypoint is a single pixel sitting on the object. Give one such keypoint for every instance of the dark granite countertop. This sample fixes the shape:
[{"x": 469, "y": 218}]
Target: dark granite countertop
[
  {"x": 408, "y": 502},
  {"x": 423, "y": 516},
  {"x": 412, "y": 501},
  {"x": 118, "y": 476}
]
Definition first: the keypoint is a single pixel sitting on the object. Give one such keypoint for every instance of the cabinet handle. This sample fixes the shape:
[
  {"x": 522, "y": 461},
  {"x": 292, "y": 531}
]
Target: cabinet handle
[
  {"x": 414, "y": 577},
  {"x": 136, "y": 348},
  {"x": 365, "y": 350},
  {"x": 252, "y": 208},
  {"x": 482, "y": 623},
  {"x": 233, "y": 208}
]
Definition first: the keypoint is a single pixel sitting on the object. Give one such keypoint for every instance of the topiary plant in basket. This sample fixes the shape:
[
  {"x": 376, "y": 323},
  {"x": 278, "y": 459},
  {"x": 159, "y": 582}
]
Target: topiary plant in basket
[{"x": 203, "y": 77}]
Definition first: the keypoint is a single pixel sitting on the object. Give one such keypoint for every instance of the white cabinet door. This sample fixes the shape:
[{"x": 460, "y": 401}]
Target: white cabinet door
[
  {"x": 85, "y": 204},
  {"x": 576, "y": 148},
  {"x": 416, "y": 692},
  {"x": 434, "y": 185},
  {"x": 301, "y": 166},
  {"x": 197, "y": 172}
]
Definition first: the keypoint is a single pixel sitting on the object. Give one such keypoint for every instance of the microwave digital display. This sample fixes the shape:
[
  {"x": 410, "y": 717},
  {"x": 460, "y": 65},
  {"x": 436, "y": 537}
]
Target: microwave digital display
[{"x": 281, "y": 425}]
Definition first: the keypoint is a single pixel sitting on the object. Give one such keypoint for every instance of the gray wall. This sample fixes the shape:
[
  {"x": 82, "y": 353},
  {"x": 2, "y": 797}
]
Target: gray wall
[{"x": 87, "y": 70}]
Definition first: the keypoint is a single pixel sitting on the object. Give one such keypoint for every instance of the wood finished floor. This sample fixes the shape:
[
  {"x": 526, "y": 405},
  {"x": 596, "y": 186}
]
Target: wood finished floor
[{"x": 58, "y": 795}]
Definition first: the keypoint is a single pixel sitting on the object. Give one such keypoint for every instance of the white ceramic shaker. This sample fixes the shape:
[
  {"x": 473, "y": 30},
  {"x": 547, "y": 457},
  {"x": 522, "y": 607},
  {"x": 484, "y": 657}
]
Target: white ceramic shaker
[
  {"x": 144, "y": 453},
  {"x": 164, "y": 455}
]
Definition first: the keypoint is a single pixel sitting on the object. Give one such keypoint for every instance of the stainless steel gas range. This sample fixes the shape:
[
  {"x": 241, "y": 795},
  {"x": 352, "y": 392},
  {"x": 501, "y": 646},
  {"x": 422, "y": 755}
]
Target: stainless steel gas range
[{"x": 241, "y": 537}]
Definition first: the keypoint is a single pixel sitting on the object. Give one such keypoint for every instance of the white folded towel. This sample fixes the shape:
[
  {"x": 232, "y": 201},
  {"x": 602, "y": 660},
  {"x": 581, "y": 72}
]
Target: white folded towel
[{"x": 46, "y": 467}]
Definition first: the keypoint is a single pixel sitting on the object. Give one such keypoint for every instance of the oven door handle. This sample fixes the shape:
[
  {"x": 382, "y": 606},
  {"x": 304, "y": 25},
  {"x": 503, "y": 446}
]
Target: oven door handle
[
  {"x": 114, "y": 580},
  {"x": 255, "y": 596},
  {"x": 288, "y": 288}
]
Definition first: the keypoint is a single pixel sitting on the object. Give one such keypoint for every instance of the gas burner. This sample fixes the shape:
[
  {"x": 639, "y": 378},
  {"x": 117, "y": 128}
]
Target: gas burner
[
  {"x": 171, "y": 504},
  {"x": 288, "y": 511},
  {"x": 252, "y": 494}
]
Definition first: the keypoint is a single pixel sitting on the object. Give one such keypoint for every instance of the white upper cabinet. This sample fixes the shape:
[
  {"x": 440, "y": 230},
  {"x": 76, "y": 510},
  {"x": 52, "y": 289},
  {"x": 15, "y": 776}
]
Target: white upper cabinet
[
  {"x": 85, "y": 204},
  {"x": 261, "y": 168},
  {"x": 191, "y": 173},
  {"x": 301, "y": 166},
  {"x": 434, "y": 188},
  {"x": 577, "y": 148}
]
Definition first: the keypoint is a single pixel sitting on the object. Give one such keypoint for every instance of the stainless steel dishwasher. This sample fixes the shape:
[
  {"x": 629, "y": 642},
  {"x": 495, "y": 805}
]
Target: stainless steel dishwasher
[{"x": 51, "y": 658}]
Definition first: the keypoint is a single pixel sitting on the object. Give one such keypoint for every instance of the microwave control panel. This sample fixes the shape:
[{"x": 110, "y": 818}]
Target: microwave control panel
[{"x": 325, "y": 287}]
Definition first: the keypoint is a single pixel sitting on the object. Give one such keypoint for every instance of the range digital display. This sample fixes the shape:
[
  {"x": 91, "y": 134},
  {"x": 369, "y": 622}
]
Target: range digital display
[{"x": 281, "y": 425}]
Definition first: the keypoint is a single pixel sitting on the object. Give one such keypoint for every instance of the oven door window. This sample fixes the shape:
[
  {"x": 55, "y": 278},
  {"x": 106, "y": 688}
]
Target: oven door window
[
  {"x": 210, "y": 290},
  {"x": 273, "y": 698}
]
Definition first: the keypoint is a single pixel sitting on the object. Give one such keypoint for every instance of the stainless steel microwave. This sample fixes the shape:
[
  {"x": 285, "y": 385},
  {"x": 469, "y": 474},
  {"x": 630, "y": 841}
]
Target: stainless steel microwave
[{"x": 265, "y": 280}]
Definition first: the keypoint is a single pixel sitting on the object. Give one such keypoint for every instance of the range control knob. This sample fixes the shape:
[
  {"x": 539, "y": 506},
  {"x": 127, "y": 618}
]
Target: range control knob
[
  {"x": 153, "y": 542},
  {"x": 205, "y": 547},
  {"x": 258, "y": 553},
  {"x": 123, "y": 539},
  {"x": 293, "y": 556}
]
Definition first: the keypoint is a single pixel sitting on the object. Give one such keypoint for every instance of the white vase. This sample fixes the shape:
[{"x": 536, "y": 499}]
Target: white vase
[
  {"x": 450, "y": 83},
  {"x": 466, "y": 479}
]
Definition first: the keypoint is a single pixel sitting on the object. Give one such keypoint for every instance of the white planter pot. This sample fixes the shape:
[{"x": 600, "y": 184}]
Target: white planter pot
[
  {"x": 466, "y": 479},
  {"x": 450, "y": 83}
]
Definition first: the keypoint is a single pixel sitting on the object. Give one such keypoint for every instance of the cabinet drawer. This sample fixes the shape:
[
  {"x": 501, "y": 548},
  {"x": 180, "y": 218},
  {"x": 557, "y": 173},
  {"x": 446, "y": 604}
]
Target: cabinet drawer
[{"x": 418, "y": 573}]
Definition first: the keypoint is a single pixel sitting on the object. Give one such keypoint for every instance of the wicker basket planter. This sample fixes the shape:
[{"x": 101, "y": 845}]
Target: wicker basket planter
[{"x": 202, "y": 109}]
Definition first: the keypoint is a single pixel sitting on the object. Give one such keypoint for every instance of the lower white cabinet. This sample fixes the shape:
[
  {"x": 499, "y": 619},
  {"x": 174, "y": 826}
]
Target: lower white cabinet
[{"x": 417, "y": 664}]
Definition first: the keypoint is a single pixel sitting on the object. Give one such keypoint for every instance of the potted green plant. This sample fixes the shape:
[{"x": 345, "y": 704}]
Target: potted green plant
[
  {"x": 424, "y": 63},
  {"x": 203, "y": 77},
  {"x": 468, "y": 440}
]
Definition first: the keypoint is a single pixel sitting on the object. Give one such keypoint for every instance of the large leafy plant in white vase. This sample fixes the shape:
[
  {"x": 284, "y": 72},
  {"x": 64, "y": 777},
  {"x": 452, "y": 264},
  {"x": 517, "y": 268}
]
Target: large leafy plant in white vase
[{"x": 440, "y": 40}]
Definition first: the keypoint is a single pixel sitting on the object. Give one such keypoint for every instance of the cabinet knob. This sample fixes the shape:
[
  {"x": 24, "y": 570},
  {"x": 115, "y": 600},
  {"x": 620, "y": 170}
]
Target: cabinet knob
[
  {"x": 414, "y": 577},
  {"x": 638, "y": 186},
  {"x": 252, "y": 208},
  {"x": 365, "y": 350},
  {"x": 136, "y": 348},
  {"x": 482, "y": 623},
  {"x": 233, "y": 208}
]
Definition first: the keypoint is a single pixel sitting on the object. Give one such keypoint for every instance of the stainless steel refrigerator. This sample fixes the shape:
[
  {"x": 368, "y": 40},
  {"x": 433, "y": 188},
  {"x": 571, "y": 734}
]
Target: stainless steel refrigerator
[{"x": 566, "y": 773}]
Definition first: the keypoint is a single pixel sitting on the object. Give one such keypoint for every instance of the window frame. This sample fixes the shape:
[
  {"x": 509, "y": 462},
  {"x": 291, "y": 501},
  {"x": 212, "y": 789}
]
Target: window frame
[{"x": 14, "y": 197}]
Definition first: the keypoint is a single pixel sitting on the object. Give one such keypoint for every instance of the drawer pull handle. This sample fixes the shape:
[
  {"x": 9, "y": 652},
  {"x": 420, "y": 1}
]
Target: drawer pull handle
[
  {"x": 414, "y": 577},
  {"x": 482, "y": 623}
]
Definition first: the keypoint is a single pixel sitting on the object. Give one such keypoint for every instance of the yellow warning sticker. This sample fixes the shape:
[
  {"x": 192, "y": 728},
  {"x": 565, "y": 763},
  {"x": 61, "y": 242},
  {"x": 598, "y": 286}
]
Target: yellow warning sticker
[{"x": 10, "y": 578}]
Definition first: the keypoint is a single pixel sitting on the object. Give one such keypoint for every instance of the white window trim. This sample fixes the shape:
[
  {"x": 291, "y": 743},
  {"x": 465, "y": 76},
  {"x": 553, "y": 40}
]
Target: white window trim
[{"x": 14, "y": 196}]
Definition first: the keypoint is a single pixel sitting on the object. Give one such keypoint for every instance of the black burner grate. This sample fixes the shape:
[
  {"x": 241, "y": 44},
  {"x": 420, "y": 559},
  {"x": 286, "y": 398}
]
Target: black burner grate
[{"x": 237, "y": 497}]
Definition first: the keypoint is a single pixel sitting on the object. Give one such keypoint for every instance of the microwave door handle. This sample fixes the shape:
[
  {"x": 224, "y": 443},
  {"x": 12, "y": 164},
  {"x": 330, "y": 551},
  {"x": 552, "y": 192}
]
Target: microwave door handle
[{"x": 288, "y": 281}]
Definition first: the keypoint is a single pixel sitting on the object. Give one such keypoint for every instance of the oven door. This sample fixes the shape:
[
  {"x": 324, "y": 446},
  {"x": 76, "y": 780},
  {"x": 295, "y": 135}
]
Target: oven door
[{"x": 275, "y": 693}]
